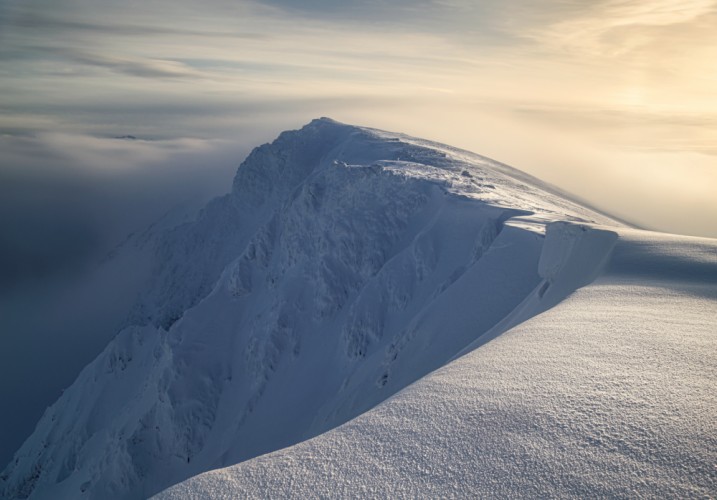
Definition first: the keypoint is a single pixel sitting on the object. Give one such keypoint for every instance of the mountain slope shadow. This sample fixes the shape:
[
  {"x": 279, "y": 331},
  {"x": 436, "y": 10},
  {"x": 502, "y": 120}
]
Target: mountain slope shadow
[{"x": 346, "y": 264}]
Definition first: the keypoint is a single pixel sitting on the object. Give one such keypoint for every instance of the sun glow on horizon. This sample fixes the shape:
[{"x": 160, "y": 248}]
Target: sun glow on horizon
[{"x": 613, "y": 76}]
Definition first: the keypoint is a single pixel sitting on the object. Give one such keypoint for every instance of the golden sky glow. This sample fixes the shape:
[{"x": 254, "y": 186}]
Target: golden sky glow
[{"x": 615, "y": 101}]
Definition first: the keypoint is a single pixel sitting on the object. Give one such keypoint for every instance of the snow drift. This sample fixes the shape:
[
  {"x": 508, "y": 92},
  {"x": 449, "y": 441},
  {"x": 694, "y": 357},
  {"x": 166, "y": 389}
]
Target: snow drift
[
  {"x": 345, "y": 264},
  {"x": 608, "y": 394}
]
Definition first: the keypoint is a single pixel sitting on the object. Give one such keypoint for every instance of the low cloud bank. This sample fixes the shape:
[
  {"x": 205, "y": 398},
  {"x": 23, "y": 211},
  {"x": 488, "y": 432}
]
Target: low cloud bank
[
  {"x": 66, "y": 199},
  {"x": 65, "y": 202}
]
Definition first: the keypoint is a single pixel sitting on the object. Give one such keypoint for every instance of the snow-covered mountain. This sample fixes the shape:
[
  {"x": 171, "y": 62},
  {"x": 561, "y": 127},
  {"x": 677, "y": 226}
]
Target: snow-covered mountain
[
  {"x": 609, "y": 394},
  {"x": 345, "y": 264}
]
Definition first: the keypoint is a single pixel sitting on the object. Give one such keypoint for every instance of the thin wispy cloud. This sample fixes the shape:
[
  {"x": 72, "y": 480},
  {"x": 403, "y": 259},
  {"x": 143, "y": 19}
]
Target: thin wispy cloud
[
  {"x": 617, "y": 27},
  {"x": 46, "y": 23},
  {"x": 146, "y": 68}
]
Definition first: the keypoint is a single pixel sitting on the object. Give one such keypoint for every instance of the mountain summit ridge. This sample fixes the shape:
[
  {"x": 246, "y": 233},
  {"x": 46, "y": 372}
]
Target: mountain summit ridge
[{"x": 345, "y": 264}]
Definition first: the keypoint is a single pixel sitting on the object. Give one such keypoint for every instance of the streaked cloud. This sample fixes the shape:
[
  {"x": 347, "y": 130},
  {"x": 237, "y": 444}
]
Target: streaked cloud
[
  {"x": 618, "y": 27},
  {"x": 47, "y": 23},
  {"x": 615, "y": 25},
  {"x": 133, "y": 66}
]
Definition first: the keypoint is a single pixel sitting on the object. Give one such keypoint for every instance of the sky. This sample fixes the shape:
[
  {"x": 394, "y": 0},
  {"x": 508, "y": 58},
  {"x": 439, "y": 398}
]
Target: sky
[
  {"x": 614, "y": 101},
  {"x": 114, "y": 113}
]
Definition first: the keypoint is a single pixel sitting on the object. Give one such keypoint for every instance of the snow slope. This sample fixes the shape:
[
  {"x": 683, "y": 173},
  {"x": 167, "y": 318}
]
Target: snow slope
[
  {"x": 608, "y": 394},
  {"x": 345, "y": 264}
]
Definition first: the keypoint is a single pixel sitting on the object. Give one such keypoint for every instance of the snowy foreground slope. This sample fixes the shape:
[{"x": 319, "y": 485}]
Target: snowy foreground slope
[
  {"x": 608, "y": 394},
  {"x": 346, "y": 264}
]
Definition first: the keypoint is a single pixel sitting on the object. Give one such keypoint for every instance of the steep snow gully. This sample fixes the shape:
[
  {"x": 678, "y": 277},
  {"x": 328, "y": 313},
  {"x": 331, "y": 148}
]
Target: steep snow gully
[{"x": 346, "y": 264}]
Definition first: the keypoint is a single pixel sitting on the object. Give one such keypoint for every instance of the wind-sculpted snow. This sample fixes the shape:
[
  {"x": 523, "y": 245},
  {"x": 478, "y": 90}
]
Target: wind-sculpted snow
[
  {"x": 346, "y": 264},
  {"x": 609, "y": 394}
]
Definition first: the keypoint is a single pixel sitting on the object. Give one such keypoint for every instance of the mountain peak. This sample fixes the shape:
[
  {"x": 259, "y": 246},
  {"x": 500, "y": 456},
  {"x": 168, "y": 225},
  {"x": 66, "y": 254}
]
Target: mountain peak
[
  {"x": 326, "y": 120},
  {"x": 298, "y": 301}
]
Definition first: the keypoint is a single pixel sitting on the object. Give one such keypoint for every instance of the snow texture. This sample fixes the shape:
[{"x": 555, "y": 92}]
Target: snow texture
[
  {"x": 345, "y": 265},
  {"x": 610, "y": 394}
]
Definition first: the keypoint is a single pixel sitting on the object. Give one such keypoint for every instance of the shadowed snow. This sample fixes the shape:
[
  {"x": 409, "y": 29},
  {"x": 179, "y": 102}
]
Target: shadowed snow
[
  {"x": 609, "y": 394},
  {"x": 345, "y": 264}
]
